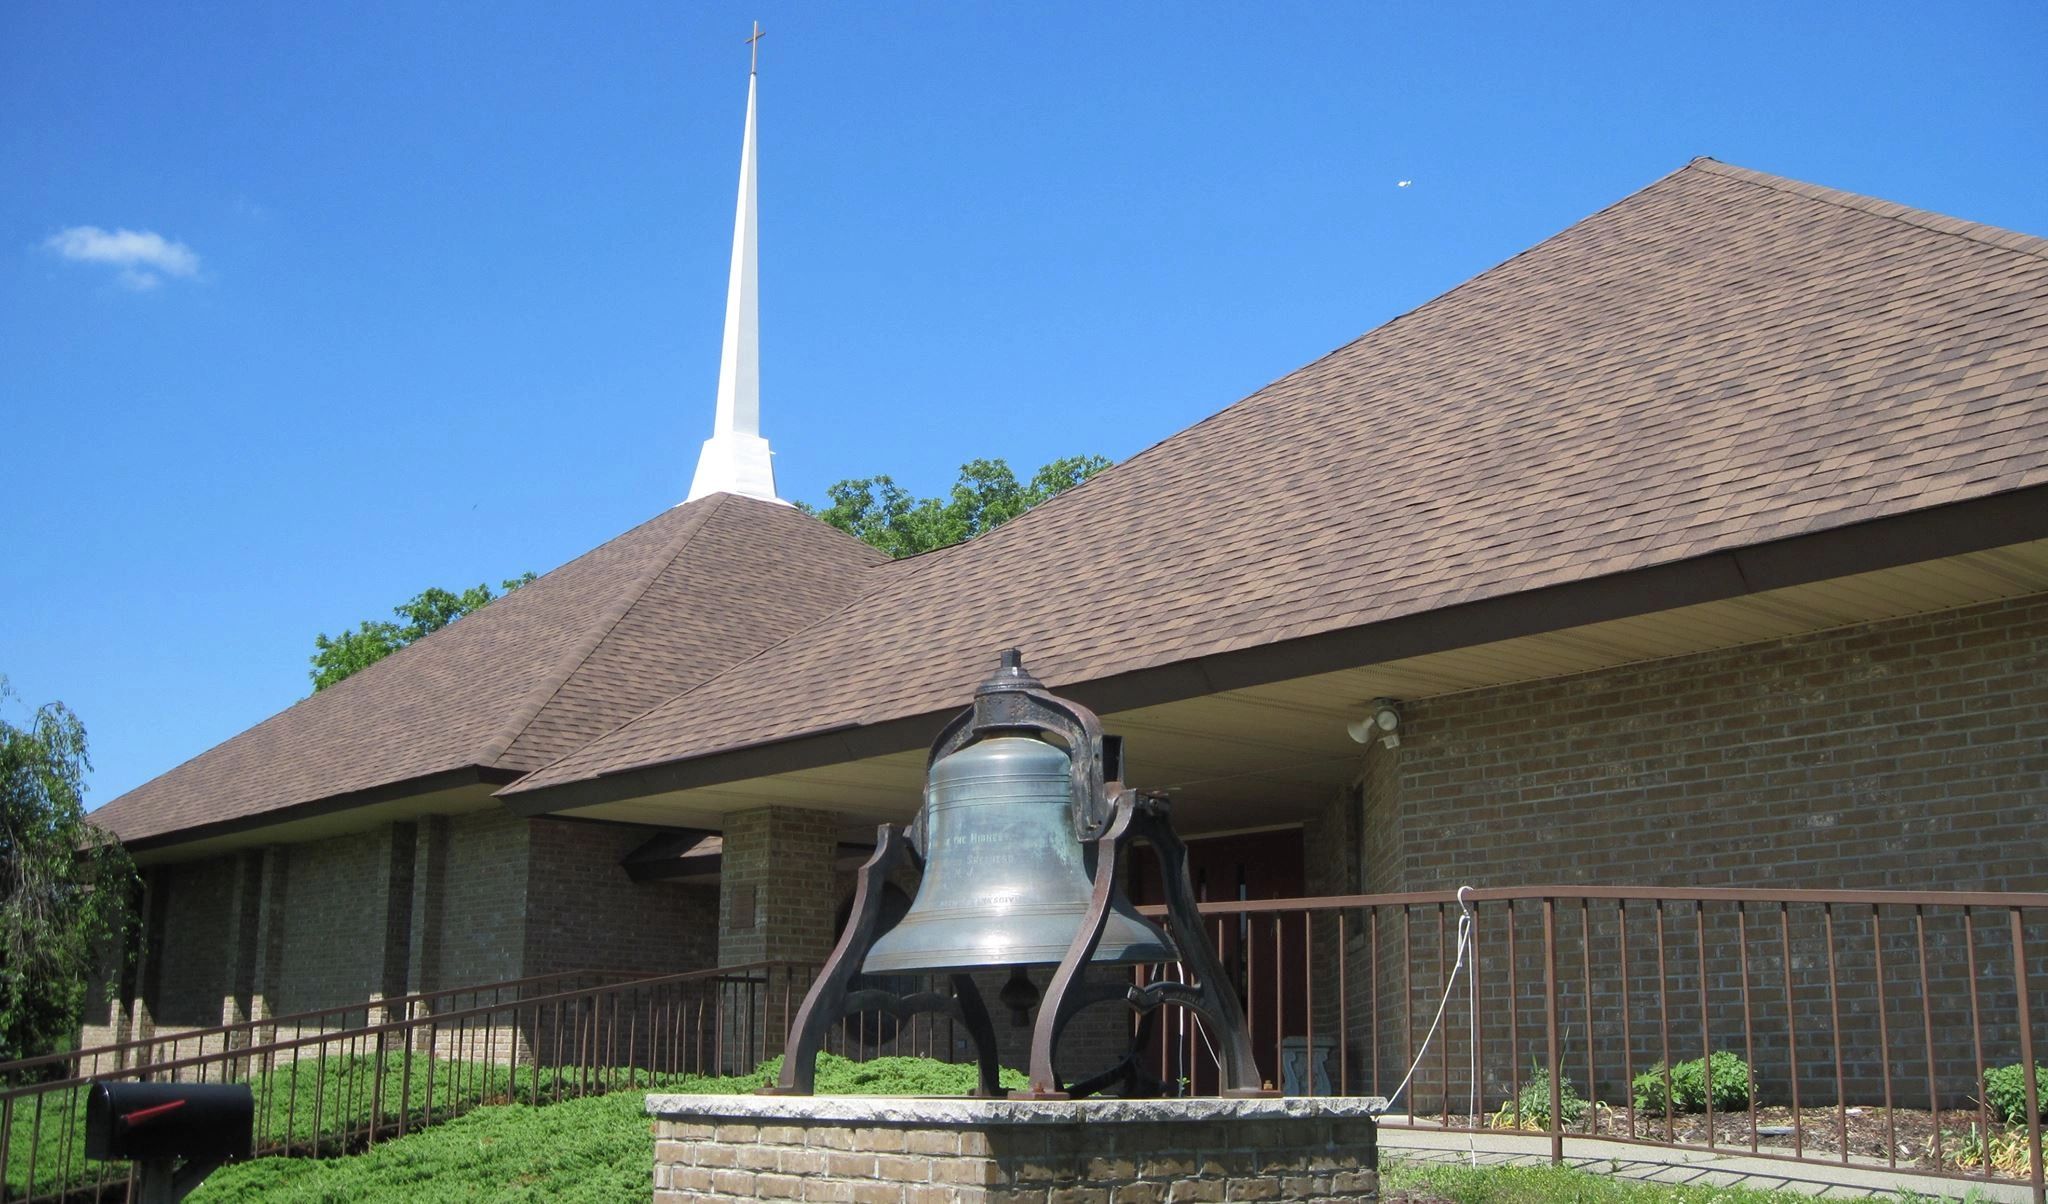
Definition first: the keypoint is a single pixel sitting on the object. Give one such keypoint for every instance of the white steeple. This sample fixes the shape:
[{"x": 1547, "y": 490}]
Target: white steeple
[{"x": 736, "y": 458}]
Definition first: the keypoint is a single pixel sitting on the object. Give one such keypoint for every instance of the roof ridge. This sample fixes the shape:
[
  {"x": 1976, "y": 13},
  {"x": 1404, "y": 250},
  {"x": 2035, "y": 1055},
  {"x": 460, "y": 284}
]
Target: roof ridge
[
  {"x": 544, "y": 691},
  {"x": 1925, "y": 219},
  {"x": 877, "y": 568}
]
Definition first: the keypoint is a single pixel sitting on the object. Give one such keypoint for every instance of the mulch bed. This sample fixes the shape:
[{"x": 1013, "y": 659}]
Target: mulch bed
[{"x": 1904, "y": 1136}]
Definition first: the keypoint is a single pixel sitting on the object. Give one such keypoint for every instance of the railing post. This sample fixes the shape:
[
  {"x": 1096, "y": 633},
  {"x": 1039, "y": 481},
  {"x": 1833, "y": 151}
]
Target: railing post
[
  {"x": 2027, "y": 1072},
  {"x": 1550, "y": 1024}
]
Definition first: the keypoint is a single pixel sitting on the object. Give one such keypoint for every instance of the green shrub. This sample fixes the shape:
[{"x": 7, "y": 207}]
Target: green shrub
[
  {"x": 842, "y": 1076},
  {"x": 1689, "y": 1085},
  {"x": 1535, "y": 1104},
  {"x": 2005, "y": 1089}
]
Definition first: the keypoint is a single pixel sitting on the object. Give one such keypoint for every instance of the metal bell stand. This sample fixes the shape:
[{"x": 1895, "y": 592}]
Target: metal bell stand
[{"x": 1106, "y": 815}]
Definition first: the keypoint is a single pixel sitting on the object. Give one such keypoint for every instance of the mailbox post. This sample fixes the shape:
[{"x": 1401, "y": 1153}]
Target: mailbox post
[{"x": 154, "y": 1125}]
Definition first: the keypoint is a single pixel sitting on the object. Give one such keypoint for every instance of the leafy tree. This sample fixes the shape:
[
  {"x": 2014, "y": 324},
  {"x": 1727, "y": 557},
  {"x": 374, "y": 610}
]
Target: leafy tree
[
  {"x": 335, "y": 657},
  {"x": 878, "y": 511},
  {"x": 64, "y": 885}
]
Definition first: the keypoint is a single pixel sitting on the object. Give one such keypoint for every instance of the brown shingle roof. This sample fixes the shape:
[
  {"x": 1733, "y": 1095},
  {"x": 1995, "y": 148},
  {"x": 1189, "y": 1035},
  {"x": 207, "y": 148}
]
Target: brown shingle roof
[
  {"x": 533, "y": 675},
  {"x": 1722, "y": 359}
]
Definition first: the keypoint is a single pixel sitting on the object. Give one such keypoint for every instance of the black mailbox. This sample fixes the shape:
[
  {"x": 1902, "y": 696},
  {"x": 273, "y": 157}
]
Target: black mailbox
[{"x": 204, "y": 1123}]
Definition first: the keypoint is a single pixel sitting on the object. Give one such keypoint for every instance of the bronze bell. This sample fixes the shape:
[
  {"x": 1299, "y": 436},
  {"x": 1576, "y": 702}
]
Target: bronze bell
[
  {"x": 1007, "y": 880},
  {"x": 1025, "y": 815}
]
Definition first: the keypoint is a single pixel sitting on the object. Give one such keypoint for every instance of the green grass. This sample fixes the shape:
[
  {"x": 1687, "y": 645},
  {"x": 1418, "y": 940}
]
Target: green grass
[
  {"x": 322, "y": 1105},
  {"x": 576, "y": 1152}
]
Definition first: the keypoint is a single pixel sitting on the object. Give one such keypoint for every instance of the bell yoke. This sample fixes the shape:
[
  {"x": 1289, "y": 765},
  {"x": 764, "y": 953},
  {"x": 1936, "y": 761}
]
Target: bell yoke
[{"x": 1021, "y": 840}]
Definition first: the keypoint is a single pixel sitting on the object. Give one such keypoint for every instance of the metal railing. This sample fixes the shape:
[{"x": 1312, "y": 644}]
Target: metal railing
[
  {"x": 335, "y": 1091},
  {"x": 1867, "y": 1018},
  {"x": 173, "y": 1044}
]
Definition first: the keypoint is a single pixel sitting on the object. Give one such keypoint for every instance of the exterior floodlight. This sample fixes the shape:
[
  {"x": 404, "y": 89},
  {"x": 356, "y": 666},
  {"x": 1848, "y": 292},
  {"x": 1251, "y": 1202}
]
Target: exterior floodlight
[{"x": 1382, "y": 722}]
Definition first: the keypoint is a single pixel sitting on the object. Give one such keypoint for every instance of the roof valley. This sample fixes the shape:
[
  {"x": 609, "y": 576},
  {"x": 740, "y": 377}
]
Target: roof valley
[
  {"x": 882, "y": 583},
  {"x": 544, "y": 692}
]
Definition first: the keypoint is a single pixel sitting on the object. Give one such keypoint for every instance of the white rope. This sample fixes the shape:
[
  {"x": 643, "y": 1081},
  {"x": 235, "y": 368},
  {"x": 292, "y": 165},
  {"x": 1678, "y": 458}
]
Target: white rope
[{"x": 1466, "y": 920}]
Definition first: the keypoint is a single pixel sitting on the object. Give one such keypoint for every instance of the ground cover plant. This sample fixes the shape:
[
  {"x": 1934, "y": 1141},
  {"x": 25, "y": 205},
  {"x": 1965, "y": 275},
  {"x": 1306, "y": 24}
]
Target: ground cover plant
[
  {"x": 1531, "y": 1108},
  {"x": 2005, "y": 1090},
  {"x": 315, "y": 1105},
  {"x": 1686, "y": 1088},
  {"x": 579, "y": 1151},
  {"x": 597, "y": 1148}
]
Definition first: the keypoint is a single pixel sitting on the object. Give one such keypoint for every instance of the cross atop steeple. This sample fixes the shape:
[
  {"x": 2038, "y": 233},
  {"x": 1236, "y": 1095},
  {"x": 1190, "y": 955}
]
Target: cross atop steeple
[
  {"x": 755, "y": 42},
  {"x": 736, "y": 458}
]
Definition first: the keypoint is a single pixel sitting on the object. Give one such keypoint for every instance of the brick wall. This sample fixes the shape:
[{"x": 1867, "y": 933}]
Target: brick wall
[
  {"x": 479, "y": 925},
  {"x": 332, "y": 949},
  {"x": 192, "y": 955},
  {"x": 778, "y": 894},
  {"x": 586, "y": 914},
  {"x": 1903, "y": 754},
  {"x": 1910, "y": 754}
]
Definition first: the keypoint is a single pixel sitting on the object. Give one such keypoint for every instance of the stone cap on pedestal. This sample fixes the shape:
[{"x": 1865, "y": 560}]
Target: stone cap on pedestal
[{"x": 966, "y": 1110}]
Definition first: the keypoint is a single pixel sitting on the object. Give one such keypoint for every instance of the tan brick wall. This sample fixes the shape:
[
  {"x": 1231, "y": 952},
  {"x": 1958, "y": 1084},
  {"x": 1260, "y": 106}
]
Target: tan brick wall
[
  {"x": 1910, "y": 754},
  {"x": 778, "y": 896},
  {"x": 193, "y": 955},
  {"x": 333, "y": 943},
  {"x": 1136, "y": 1162},
  {"x": 480, "y": 922},
  {"x": 585, "y": 913}
]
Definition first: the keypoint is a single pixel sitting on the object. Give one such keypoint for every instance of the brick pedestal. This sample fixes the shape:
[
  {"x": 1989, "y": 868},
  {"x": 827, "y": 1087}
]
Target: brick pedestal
[{"x": 913, "y": 1151}]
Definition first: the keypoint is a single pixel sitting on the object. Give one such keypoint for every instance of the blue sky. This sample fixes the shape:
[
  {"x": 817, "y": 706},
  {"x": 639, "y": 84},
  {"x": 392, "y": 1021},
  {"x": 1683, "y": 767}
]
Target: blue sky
[{"x": 431, "y": 294}]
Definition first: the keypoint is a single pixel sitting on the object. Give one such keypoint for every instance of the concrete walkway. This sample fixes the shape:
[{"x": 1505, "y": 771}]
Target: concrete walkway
[{"x": 1711, "y": 1168}]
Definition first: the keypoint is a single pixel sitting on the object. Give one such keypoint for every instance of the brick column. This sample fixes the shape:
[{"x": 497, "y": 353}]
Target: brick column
[
  {"x": 155, "y": 910},
  {"x": 266, "y": 976},
  {"x": 245, "y": 903},
  {"x": 1377, "y": 1040},
  {"x": 777, "y": 899},
  {"x": 776, "y": 895},
  {"x": 1332, "y": 861},
  {"x": 429, "y": 904},
  {"x": 401, "y": 842}
]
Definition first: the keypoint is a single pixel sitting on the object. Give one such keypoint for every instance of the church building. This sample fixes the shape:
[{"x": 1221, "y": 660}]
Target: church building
[{"x": 1703, "y": 543}]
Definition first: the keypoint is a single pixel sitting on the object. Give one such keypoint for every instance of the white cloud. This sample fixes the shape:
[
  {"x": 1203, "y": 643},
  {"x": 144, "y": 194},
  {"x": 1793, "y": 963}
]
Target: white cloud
[{"x": 144, "y": 256}]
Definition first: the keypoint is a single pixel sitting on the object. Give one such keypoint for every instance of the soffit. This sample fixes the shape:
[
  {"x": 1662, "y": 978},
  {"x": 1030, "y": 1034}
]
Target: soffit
[{"x": 1280, "y": 749}]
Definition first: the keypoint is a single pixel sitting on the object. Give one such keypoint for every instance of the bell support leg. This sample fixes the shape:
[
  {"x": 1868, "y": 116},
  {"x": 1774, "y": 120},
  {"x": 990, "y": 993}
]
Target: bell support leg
[
  {"x": 1065, "y": 995},
  {"x": 830, "y": 997},
  {"x": 1137, "y": 816},
  {"x": 1212, "y": 997},
  {"x": 826, "y": 1001},
  {"x": 982, "y": 1031}
]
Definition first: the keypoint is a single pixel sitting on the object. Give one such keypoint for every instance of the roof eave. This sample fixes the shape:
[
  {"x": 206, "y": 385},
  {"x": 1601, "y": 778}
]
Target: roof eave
[
  {"x": 432, "y": 783},
  {"x": 1977, "y": 524}
]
